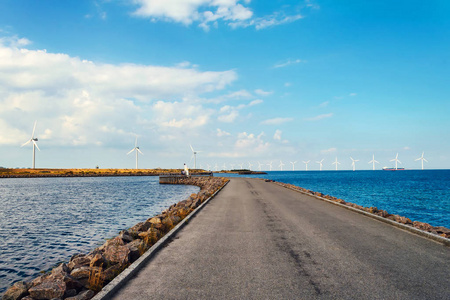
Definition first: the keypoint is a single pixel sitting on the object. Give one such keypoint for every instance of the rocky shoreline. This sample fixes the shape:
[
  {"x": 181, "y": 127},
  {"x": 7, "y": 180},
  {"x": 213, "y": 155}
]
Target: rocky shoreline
[
  {"x": 437, "y": 230},
  {"x": 85, "y": 274}
]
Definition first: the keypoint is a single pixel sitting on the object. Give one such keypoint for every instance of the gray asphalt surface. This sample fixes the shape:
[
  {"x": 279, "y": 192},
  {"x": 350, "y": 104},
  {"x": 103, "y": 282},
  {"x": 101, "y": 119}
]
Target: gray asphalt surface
[{"x": 257, "y": 240}]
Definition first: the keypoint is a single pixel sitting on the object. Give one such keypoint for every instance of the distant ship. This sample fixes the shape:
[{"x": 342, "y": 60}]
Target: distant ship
[{"x": 393, "y": 169}]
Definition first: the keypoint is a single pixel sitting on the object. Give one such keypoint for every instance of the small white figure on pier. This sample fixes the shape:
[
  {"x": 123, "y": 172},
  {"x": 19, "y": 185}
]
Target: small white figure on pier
[{"x": 186, "y": 170}]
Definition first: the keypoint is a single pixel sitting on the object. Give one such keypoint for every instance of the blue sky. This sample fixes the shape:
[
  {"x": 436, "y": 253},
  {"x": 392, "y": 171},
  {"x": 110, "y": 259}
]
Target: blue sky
[{"x": 242, "y": 81}]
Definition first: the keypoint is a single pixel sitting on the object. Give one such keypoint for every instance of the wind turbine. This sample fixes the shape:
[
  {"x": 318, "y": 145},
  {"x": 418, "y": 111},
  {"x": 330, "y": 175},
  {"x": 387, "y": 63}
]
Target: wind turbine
[
  {"x": 422, "y": 159},
  {"x": 224, "y": 166},
  {"x": 241, "y": 166},
  {"x": 293, "y": 165},
  {"x": 354, "y": 162},
  {"x": 216, "y": 167},
  {"x": 208, "y": 167},
  {"x": 281, "y": 165},
  {"x": 250, "y": 165},
  {"x": 336, "y": 163},
  {"x": 194, "y": 155},
  {"x": 320, "y": 163},
  {"x": 306, "y": 163},
  {"x": 259, "y": 165},
  {"x": 270, "y": 166},
  {"x": 33, "y": 140},
  {"x": 396, "y": 161},
  {"x": 373, "y": 161},
  {"x": 136, "y": 148},
  {"x": 232, "y": 166}
]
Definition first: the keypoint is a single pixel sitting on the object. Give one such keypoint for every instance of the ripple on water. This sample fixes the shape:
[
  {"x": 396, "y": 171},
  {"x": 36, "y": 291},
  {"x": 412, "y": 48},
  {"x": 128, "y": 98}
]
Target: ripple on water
[{"x": 46, "y": 220}]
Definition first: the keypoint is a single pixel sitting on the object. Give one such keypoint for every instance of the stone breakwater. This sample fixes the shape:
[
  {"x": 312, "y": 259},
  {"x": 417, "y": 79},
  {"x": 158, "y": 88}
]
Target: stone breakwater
[
  {"x": 438, "y": 230},
  {"x": 86, "y": 274}
]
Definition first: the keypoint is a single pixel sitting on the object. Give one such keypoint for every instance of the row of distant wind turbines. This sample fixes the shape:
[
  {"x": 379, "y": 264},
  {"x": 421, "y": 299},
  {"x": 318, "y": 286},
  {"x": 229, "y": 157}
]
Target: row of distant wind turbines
[
  {"x": 281, "y": 165},
  {"x": 136, "y": 149}
]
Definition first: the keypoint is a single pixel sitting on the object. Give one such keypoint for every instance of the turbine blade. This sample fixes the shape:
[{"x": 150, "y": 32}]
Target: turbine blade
[
  {"x": 425, "y": 160},
  {"x": 191, "y": 148},
  {"x": 135, "y": 143},
  {"x": 36, "y": 145},
  {"x": 139, "y": 151},
  {"x": 34, "y": 128},
  {"x": 131, "y": 151},
  {"x": 26, "y": 143}
]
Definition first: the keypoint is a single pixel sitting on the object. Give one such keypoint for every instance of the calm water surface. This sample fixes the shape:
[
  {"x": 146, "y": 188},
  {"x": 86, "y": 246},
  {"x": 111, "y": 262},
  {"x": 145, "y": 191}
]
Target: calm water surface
[
  {"x": 43, "y": 221},
  {"x": 419, "y": 195}
]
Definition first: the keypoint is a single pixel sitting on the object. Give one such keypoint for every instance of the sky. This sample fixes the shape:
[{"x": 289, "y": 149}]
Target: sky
[{"x": 243, "y": 82}]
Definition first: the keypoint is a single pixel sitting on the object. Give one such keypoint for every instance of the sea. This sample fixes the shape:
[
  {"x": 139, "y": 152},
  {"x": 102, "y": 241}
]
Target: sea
[{"x": 44, "y": 221}]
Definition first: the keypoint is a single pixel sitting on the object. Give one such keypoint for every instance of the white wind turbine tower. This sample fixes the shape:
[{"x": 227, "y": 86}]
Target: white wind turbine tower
[
  {"x": 194, "y": 155},
  {"x": 281, "y": 165},
  {"x": 320, "y": 163},
  {"x": 373, "y": 161},
  {"x": 33, "y": 140},
  {"x": 396, "y": 161},
  {"x": 224, "y": 167},
  {"x": 336, "y": 163},
  {"x": 259, "y": 165},
  {"x": 354, "y": 162},
  {"x": 241, "y": 166},
  {"x": 136, "y": 148},
  {"x": 216, "y": 167},
  {"x": 293, "y": 165},
  {"x": 250, "y": 165},
  {"x": 270, "y": 166},
  {"x": 306, "y": 163},
  {"x": 422, "y": 159}
]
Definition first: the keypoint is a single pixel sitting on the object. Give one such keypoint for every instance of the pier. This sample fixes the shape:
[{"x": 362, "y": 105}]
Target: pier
[{"x": 258, "y": 240}]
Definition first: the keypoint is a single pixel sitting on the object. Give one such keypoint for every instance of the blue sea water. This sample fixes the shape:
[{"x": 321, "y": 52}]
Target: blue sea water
[
  {"x": 421, "y": 195},
  {"x": 44, "y": 221}
]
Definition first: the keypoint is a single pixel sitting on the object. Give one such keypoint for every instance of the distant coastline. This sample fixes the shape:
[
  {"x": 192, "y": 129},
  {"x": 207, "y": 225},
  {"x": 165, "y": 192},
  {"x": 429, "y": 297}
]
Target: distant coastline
[{"x": 33, "y": 173}]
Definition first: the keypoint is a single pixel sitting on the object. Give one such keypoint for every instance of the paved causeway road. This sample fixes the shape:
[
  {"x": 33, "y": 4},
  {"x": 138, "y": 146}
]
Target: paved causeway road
[{"x": 257, "y": 240}]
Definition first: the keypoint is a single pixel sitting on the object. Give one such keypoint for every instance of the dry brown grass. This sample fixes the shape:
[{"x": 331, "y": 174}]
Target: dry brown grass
[{"x": 95, "y": 281}]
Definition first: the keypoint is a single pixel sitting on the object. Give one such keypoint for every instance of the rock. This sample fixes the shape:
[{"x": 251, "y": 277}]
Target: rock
[
  {"x": 27, "y": 298},
  {"x": 17, "y": 291},
  {"x": 110, "y": 273},
  {"x": 84, "y": 295},
  {"x": 70, "y": 293},
  {"x": 80, "y": 273},
  {"x": 62, "y": 269},
  {"x": 155, "y": 220},
  {"x": 78, "y": 261},
  {"x": 97, "y": 261},
  {"x": 48, "y": 289},
  {"x": 117, "y": 253},
  {"x": 136, "y": 248},
  {"x": 125, "y": 236},
  {"x": 114, "y": 242}
]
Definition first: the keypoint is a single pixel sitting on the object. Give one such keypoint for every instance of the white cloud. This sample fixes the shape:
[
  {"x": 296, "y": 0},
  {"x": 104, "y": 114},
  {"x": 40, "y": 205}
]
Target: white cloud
[
  {"x": 328, "y": 151},
  {"x": 275, "y": 19},
  {"x": 230, "y": 113},
  {"x": 324, "y": 104},
  {"x": 277, "y": 135},
  {"x": 287, "y": 84},
  {"x": 352, "y": 94},
  {"x": 288, "y": 62},
  {"x": 186, "y": 12},
  {"x": 221, "y": 133},
  {"x": 276, "y": 121},
  {"x": 79, "y": 102},
  {"x": 320, "y": 117},
  {"x": 263, "y": 93}
]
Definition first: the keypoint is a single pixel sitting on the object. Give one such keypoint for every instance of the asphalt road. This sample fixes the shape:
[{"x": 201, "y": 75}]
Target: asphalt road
[{"x": 257, "y": 240}]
